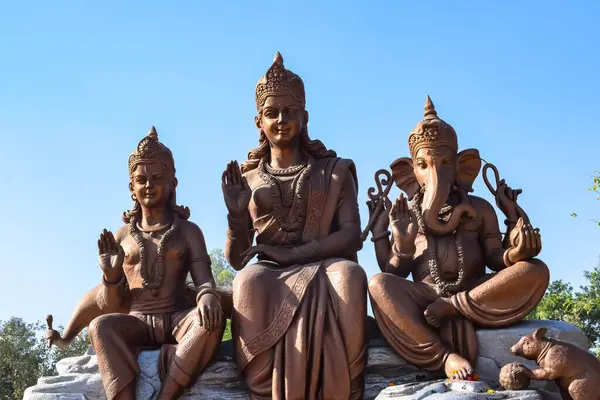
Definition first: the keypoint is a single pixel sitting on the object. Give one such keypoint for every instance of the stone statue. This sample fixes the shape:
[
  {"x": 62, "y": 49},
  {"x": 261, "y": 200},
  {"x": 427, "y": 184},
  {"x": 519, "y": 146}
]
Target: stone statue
[
  {"x": 446, "y": 238},
  {"x": 300, "y": 311},
  {"x": 575, "y": 371},
  {"x": 143, "y": 299}
]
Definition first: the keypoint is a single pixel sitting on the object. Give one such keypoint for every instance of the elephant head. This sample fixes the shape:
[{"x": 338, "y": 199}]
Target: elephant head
[{"x": 438, "y": 167}]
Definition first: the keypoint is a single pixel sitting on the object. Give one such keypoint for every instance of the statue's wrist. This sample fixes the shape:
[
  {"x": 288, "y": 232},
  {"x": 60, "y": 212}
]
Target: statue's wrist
[
  {"x": 311, "y": 251},
  {"x": 237, "y": 220},
  {"x": 237, "y": 224},
  {"x": 511, "y": 216},
  {"x": 204, "y": 291},
  {"x": 113, "y": 280},
  {"x": 403, "y": 253}
]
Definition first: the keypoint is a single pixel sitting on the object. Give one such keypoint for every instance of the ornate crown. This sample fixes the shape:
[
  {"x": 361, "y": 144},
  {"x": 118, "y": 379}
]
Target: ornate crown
[
  {"x": 150, "y": 150},
  {"x": 432, "y": 132},
  {"x": 279, "y": 81}
]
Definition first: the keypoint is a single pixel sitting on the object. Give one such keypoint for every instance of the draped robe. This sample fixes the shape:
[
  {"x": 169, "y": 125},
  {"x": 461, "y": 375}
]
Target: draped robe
[{"x": 291, "y": 324}]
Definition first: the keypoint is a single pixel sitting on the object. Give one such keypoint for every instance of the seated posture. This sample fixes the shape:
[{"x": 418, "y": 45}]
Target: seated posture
[
  {"x": 300, "y": 311},
  {"x": 142, "y": 300},
  {"x": 446, "y": 238}
]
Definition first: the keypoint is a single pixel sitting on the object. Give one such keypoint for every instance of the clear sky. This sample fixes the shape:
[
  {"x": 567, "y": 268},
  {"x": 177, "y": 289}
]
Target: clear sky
[{"x": 82, "y": 82}]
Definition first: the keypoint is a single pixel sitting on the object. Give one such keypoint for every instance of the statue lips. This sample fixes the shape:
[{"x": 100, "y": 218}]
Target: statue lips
[{"x": 283, "y": 133}]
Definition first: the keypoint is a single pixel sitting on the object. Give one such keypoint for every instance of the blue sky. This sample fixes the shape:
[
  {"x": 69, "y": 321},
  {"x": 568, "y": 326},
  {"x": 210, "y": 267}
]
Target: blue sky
[{"x": 82, "y": 82}]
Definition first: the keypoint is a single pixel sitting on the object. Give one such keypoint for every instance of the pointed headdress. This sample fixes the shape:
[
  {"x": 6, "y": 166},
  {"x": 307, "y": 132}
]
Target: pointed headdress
[
  {"x": 150, "y": 150},
  {"x": 432, "y": 132},
  {"x": 279, "y": 81}
]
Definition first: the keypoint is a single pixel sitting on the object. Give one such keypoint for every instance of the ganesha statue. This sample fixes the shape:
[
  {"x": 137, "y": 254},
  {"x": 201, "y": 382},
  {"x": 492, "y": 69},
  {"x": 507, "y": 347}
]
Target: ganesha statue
[{"x": 448, "y": 239}]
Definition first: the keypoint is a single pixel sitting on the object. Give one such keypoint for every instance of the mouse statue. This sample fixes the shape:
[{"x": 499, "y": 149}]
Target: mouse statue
[{"x": 575, "y": 371}]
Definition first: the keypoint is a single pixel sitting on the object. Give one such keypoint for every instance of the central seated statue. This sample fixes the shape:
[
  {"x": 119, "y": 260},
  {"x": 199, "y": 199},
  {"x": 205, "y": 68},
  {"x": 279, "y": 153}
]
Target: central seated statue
[{"x": 300, "y": 311}]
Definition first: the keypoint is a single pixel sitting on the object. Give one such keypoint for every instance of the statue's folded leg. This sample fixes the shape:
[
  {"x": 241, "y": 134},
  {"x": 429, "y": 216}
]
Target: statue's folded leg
[
  {"x": 349, "y": 283},
  {"x": 196, "y": 347},
  {"x": 113, "y": 337},
  {"x": 398, "y": 305},
  {"x": 506, "y": 297}
]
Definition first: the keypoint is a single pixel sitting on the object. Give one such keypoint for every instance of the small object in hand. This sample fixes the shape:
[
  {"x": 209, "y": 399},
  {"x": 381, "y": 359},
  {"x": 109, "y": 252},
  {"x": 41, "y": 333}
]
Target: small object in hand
[
  {"x": 514, "y": 376},
  {"x": 49, "y": 320}
]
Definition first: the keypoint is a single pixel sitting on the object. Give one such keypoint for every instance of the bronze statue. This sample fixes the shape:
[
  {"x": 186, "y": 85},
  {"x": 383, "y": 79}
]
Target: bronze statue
[
  {"x": 300, "y": 311},
  {"x": 143, "y": 299},
  {"x": 575, "y": 371},
  {"x": 446, "y": 238}
]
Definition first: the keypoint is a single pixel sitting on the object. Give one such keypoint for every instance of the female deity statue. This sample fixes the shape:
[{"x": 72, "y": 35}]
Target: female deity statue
[
  {"x": 446, "y": 238},
  {"x": 300, "y": 311},
  {"x": 142, "y": 301}
]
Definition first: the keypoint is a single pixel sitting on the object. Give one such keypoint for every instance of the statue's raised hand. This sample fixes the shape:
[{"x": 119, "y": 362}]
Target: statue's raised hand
[
  {"x": 506, "y": 200},
  {"x": 235, "y": 189},
  {"x": 111, "y": 257},
  {"x": 526, "y": 242},
  {"x": 382, "y": 221},
  {"x": 404, "y": 225}
]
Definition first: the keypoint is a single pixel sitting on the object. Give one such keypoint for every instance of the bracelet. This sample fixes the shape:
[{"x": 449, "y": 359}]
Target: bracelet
[
  {"x": 112, "y": 284},
  {"x": 398, "y": 254},
  {"x": 204, "y": 291},
  {"x": 380, "y": 236}
]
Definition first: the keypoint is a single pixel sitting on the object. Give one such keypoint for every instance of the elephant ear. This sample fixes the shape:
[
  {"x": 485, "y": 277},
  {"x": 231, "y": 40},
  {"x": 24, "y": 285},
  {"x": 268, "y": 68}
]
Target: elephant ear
[
  {"x": 468, "y": 167},
  {"x": 404, "y": 176}
]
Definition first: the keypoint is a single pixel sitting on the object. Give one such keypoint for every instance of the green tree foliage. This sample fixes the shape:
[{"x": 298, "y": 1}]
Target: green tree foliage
[
  {"x": 227, "y": 332},
  {"x": 222, "y": 271},
  {"x": 24, "y": 356},
  {"x": 580, "y": 308}
]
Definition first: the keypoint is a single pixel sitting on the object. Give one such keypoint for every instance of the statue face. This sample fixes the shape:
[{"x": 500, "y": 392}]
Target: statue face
[
  {"x": 438, "y": 170},
  {"x": 437, "y": 163},
  {"x": 152, "y": 185},
  {"x": 282, "y": 120}
]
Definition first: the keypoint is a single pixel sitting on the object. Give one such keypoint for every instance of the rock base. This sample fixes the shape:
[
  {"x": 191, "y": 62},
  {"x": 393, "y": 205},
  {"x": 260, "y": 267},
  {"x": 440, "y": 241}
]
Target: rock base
[
  {"x": 445, "y": 390},
  {"x": 78, "y": 377}
]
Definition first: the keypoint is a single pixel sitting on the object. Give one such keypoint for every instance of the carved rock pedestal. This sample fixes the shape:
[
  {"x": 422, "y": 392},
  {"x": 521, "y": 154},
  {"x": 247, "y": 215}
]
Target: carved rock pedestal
[
  {"x": 79, "y": 379},
  {"x": 443, "y": 389}
]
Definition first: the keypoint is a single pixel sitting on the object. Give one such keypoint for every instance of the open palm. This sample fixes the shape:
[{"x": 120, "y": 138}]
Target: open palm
[
  {"x": 404, "y": 225},
  {"x": 236, "y": 191},
  {"x": 111, "y": 256}
]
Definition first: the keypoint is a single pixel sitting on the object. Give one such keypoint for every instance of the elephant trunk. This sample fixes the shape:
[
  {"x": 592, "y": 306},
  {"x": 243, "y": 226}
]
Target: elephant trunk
[{"x": 436, "y": 195}]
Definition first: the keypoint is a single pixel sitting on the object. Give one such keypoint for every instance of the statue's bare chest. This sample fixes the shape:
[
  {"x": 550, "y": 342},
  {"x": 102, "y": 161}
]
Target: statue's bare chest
[
  {"x": 174, "y": 251},
  {"x": 445, "y": 250}
]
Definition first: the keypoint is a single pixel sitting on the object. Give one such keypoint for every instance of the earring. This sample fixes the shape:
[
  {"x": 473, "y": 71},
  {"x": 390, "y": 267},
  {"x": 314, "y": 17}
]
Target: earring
[{"x": 133, "y": 197}]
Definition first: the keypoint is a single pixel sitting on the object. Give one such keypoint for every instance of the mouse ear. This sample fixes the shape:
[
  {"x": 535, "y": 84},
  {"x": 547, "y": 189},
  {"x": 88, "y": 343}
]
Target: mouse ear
[{"x": 540, "y": 333}]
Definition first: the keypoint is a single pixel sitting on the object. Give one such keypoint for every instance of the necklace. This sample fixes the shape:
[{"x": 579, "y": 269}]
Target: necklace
[
  {"x": 294, "y": 169},
  {"x": 287, "y": 199},
  {"x": 156, "y": 228},
  {"x": 279, "y": 206},
  {"x": 444, "y": 288},
  {"x": 153, "y": 278}
]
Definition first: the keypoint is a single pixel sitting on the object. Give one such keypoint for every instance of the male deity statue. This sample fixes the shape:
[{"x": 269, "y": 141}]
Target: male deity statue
[
  {"x": 446, "y": 238},
  {"x": 299, "y": 312},
  {"x": 142, "y": 298}
]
